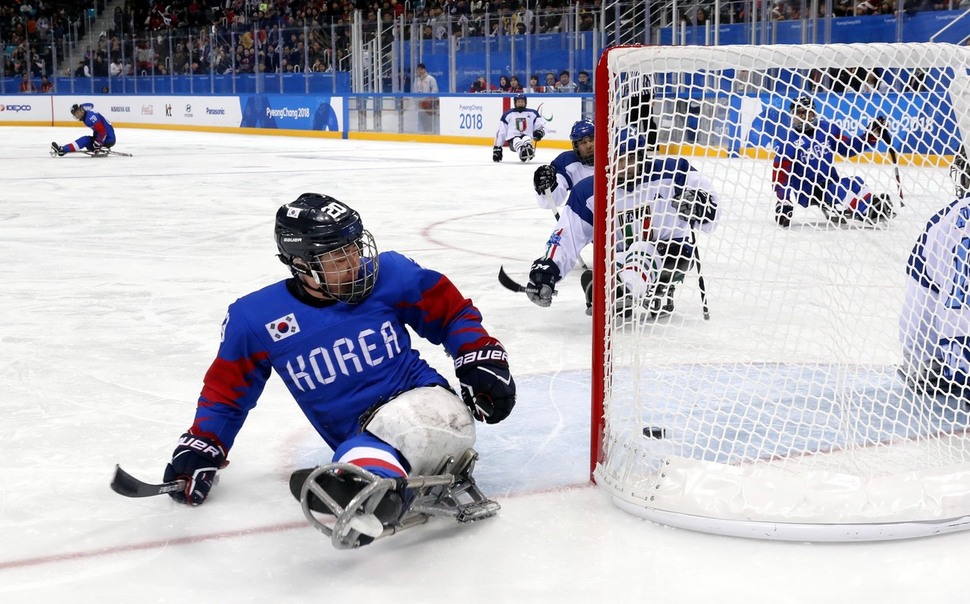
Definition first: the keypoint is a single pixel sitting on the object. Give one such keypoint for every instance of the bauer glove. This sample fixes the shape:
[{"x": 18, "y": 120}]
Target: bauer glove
[
  {"x": 496, "y": 154},
  {"x": 538, "y": 134},
  {"x": 487, "y": 386},
  {"x": 542, "y": 282},
  {"x": 545, "y": 180},
  {"x": 195, "y": 460}
]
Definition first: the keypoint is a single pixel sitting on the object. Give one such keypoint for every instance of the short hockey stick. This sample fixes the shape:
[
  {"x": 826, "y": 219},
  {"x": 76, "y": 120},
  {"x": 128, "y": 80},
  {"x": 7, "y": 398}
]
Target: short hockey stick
[
  {"x": 899, "y": 183},
  {"x": 106, "y": 153},
  {"x": 700, "y": 277},
  {"x": 511, "y": 285},
  {"x": 125, "y": 484}
]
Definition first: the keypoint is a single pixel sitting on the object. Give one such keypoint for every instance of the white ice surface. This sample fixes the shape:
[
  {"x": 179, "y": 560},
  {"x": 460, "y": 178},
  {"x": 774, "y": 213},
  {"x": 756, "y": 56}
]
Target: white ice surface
[{"x": 114, "y": 278}]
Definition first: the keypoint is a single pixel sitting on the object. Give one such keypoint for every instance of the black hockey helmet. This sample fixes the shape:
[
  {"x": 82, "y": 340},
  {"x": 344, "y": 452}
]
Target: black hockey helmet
[
  {"x": 520, "y": 97},
  {"x": 315, "y": 231},
  {"x": 580, "y": 130},
  {"x": 78, "y": 108},
  {"x": 803, "y": 113}
]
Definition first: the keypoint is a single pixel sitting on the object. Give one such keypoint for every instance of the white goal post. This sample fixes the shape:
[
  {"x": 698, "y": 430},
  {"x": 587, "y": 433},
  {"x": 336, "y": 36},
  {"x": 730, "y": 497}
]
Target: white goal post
[{"x": 785, "y": 414}]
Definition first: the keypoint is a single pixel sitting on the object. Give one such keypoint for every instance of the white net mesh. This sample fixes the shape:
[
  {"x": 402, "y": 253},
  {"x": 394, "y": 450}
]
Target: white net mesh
[{"x": 802, "y": 403}]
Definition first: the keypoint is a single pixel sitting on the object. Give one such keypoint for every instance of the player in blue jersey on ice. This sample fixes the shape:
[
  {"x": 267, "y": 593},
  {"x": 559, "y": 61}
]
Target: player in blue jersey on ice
[
  {"x": 336, "y": 332},
  {"x": 101, "y": 139},
  {"x": 803, "y": 171}
]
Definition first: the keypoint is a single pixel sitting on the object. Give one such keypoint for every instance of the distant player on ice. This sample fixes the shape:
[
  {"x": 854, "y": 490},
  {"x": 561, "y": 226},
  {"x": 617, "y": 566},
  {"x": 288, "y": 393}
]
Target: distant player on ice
[
  {"x": 101, "y": 139},
  {"x": 659, "y": 204},
  {"x": 803, "y": 171},
  {"x": 934, "y": 326},
  {"x": 337, "y": 334},
  {"x": 520, "y": 128}
]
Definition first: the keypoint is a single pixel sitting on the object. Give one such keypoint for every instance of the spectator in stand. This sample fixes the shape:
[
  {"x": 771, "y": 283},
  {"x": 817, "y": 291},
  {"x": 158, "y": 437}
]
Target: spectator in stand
[
  {"x": 503, "y": 84},
  {"x": 424, "y": 82},
  {"x": 550, "y": 85},
  {"x": 583, "y": 84},
  {"x": 27, "y": 85},
  {"x": 564, "y": 84},
  {"x": 82, "y": 70},
  {"x": 515, "y": 85},
  {"x": 534, "y": 85},
  {"x": 480, "y": 85},
  {"x": 46, "y": 86}
]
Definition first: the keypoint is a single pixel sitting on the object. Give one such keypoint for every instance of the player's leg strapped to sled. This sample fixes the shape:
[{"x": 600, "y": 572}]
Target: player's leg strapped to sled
[
  {"x": 432, "y": 432},
  {"x": 650, "y": 274}
]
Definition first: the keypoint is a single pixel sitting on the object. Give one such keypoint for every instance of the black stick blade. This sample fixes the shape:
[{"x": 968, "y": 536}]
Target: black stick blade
[
  {"x": 127, "y": 485},
  {"x": 507, "y": 282}
]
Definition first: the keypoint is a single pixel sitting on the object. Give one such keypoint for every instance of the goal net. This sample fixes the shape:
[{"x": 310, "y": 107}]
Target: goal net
[{"x": 791, "y": 412}]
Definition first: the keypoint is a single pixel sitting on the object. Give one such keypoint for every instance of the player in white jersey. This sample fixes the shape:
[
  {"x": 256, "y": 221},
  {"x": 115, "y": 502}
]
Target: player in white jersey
[
  {"x": 520, "y": 127},
  {"x": 553, "y": 182},
  {"x": 934, "y": 327},
  {"x": 660, "y": 202}
]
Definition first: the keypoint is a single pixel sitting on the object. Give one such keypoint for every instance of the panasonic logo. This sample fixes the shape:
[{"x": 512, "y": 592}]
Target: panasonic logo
[{"x": 215, "y": 111}]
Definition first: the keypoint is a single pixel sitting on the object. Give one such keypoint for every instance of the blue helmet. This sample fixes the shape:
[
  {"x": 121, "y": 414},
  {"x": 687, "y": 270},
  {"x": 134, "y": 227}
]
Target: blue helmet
[
  {"x": 520, "y": 97},
  {"x": 581, "y": 130}
]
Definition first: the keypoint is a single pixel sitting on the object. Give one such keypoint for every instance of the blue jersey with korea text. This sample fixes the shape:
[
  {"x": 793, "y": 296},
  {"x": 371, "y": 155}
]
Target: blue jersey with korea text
[
  {"x": 804, "y": 164},
  {"x": 339, "y": 360},
  {"x": 104, "y": 132}
]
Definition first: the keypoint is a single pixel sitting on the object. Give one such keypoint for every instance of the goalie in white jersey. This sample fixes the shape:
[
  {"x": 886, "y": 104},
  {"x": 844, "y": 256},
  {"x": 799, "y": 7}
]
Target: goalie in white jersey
[
  {"x": 659, "y": 204},
  {"x": 521, "y": 128},
  {"x": 934, "y": 327}
]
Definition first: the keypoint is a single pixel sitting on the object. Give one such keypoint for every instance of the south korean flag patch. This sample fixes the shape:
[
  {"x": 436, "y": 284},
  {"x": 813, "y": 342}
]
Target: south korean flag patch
[{"x": 283, "y": 327}]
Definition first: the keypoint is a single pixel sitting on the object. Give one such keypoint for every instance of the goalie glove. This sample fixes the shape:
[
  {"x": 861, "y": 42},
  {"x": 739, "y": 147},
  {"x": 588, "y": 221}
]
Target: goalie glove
[
  {"x": 542, "y": 282},
  {"x": 195, "y": 460},
  {"x": 496, "y": 154},
  {"x": 545, "y": 180},
  {"x": 487, "y": 386},
  {"x": 695, "y": 206},
  {"x": 537, "y": 134}
]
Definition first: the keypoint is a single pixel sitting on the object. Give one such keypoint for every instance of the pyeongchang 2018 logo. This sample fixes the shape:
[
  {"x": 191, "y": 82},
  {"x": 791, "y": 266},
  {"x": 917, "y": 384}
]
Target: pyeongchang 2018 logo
[{"x": 15, "y": 108}]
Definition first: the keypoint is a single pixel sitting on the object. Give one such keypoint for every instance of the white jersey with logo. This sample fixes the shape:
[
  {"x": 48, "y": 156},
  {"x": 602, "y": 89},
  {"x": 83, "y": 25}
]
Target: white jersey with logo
[
  {"x": 517, "y": 123},
  {"x": 934, "y": 326}
]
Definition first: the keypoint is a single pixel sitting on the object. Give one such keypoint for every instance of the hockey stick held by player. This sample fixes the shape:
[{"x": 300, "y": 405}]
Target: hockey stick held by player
[
  {"x": 519, "y": 128},
  {"x": 99, "y": 142},
  {"x": 338, "y": 334},
  {"x": 804, "y": 173}
]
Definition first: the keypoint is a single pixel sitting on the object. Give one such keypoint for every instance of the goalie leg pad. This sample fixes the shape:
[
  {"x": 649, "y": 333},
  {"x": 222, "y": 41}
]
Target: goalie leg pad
[{"x": 424, "y": 425}]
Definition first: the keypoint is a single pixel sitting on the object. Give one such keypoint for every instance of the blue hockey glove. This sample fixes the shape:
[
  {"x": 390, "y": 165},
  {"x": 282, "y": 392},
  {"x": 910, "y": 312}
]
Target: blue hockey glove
[
  {"x": 496, "y": 154},
  {"x": 487, "y": 386},
  {"x": 542, "y": 282},
  {"x": 545, "y": 180},
  {"x": 537, "y": 134},
  {"x": 195, "y": 460}
]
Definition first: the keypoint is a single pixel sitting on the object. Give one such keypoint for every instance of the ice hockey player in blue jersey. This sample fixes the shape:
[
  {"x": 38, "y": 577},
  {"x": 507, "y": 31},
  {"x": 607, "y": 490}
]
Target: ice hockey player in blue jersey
[
  {"x": 101, "y": 139},
  {"x": 554, "y": 181},
  {"x": 520, "y": 128},
  {"x": 660, "y": 202},
  {"x": 337, "y": 334},
  {"x": 803, "y": 171},
  {"x": 934, "y": 326}
]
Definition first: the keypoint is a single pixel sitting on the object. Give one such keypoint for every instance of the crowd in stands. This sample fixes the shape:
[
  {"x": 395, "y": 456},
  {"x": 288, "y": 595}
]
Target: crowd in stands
[
  {"x": 512, "y": 84},
  {"x": 161, "y": 37}
]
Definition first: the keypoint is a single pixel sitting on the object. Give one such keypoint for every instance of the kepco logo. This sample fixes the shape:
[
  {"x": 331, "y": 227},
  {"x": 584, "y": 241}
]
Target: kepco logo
[{"x": 15, "y": 108}]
